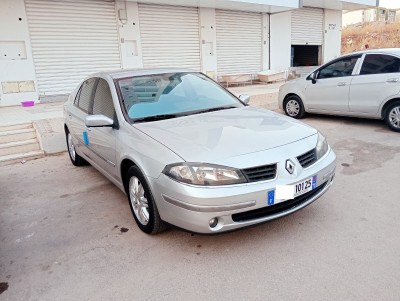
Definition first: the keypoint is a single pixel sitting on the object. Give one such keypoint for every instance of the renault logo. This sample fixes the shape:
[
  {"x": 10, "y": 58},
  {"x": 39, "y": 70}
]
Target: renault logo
[{"x": 290, "y": 166}]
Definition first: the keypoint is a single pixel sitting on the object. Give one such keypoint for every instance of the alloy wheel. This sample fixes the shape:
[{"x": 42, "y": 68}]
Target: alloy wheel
[
  {"x": 139, "y": 201},
  {"x": 292, "y": 108},
  {"x": 394, "y": 117},
  {"x": 71, "y": 147}
]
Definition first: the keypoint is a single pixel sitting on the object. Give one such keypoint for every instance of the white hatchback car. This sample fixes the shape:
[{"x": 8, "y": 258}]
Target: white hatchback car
[{"x": 361, "y": 84}]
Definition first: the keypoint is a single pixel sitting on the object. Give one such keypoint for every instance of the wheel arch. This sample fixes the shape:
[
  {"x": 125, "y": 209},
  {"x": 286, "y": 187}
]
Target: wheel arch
[
  {"x": 291, "y": 94},
  {"x": 386, "y": 105},
  {"x": 124, "y": 167}
]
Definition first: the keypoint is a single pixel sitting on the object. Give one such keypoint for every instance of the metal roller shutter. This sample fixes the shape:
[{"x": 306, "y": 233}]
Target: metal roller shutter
[
  {"x": 307, "y": 26},
  {"x": 70, "y": 40},
  {"x": 169, "y": 36},
  {"x": 239, "y": 42}
]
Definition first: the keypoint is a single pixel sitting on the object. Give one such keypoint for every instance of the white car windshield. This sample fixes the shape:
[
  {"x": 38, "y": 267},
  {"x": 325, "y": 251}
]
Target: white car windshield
[{"x": 169, "y": 95}]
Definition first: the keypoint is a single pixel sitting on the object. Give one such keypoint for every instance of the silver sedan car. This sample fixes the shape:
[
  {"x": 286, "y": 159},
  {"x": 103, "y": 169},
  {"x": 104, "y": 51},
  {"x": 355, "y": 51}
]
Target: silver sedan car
[
  {"x": 190, "y": 154},
  {"x": 360, "y": 84}
]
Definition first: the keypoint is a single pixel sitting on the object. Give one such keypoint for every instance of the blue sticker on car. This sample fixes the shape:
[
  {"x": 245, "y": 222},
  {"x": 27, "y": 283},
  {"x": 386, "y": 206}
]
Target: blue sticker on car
[
  {"x": 314, "y": 182},
  {"x": 85, "y": 138},
  {"x": 271, "y": 197}
]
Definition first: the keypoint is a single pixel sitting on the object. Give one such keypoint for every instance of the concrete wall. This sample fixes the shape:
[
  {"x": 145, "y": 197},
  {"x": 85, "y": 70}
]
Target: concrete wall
[
  {"x": 352, "y": 17},
  {"x": 17, "y": 71},
  {"x": 280, "y": 41},
  {"x": 332, "y": 35},
  {"x": 208, "y": 41},
  {"x": 129, "y": 34}
]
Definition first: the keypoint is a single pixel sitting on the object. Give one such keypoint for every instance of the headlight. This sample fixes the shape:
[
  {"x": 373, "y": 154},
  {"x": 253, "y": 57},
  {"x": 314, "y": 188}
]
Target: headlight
[
  {"x": 204, "y": 174},
  {"x": 322, "y": 146}
]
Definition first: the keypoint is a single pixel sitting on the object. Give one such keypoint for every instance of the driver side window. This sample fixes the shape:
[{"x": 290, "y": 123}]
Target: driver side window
[
  {"x": 103, "y": 103},
  {"x": 340, "y": 68}
]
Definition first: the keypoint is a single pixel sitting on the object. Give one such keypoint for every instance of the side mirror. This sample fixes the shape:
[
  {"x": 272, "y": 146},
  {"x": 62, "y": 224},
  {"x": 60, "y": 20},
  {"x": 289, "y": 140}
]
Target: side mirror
[
  {"x": 98, "y": 121},
  {"x": 245, "y": 98},
  {"x": 313, "y": 77}
]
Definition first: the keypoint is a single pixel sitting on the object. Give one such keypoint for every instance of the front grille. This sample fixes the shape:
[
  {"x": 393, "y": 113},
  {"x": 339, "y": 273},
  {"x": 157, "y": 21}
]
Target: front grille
[
  {"x": 260, "y": 173},
  {"x": 308, "y": 158},
  {"x": 277, "y": 208}
]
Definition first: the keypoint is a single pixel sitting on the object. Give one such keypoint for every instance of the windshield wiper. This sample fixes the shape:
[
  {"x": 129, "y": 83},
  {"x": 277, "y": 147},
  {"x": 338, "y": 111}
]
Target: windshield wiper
[
  {"x": 214, "y": 109},
  {"x": 156, "y": 117}
]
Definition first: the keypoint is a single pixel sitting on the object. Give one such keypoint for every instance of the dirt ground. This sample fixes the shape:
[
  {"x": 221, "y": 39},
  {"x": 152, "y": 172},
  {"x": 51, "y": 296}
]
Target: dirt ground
[{"x": 67, "y": 233}]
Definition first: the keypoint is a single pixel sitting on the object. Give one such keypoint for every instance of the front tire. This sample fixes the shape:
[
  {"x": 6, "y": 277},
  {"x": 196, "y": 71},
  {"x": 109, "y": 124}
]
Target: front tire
[
  {"x": 142, "y": 203},
  {"x": 294, "y": 107},
  {"x": 73, "y": 155},
  {"x": 392, "y": 116}
]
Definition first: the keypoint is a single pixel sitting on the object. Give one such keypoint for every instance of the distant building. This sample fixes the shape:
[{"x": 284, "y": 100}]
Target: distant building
[{"x": 370, "y": 15}]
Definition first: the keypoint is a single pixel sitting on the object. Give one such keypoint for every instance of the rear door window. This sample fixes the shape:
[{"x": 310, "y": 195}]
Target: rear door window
[{"x": 380, "y": 63}]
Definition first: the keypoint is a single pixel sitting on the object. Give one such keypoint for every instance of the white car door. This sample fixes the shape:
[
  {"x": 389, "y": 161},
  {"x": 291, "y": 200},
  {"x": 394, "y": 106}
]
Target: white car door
[
  {"x": 379, "y": 79},
  {"x": 101, "y": 140},
  {"x": 77, "y": 113},
  {"x": 329, "y": 93}
]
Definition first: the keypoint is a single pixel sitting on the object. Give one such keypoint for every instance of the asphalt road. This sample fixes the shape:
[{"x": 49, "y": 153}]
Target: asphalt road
[{"x": 67, "y": 233}]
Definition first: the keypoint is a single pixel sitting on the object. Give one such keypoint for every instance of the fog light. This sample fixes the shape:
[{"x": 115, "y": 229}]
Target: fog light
[{"x": 213, "y": 222}]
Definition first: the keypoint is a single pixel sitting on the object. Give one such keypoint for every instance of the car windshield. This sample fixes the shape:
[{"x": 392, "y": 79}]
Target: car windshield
[{"x": 170, "y": 95}]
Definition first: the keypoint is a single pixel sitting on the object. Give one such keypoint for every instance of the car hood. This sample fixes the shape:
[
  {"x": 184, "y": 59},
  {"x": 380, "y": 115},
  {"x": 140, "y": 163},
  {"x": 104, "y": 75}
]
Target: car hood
[{"x": 208, "y": 137}]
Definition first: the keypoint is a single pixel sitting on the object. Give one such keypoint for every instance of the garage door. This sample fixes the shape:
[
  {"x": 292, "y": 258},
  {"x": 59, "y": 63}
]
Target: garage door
[
  {"x": 307, "y": 26},
  {"x": 239, "y": 42},
  {"x": 70, "y": 40},
  {"x": 169, "y": 36}
]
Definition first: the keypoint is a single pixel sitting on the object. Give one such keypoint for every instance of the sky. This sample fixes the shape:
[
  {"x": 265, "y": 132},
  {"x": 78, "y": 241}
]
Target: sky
[{"x": 390, "y": 3}]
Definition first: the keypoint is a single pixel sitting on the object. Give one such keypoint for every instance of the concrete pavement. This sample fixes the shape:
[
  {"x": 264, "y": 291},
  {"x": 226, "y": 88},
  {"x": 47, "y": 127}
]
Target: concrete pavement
[{"x": 67, "y": 233}]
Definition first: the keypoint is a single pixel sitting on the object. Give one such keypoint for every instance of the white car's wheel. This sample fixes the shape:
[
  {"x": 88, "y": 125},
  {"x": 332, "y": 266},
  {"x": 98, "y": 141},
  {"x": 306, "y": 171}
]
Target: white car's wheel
[
  {"x": 294, "y": 107},
  {"x": 142, "y": 204},
  {"x": 392, "y": 116},
  {"x": 75, "y": 158}
]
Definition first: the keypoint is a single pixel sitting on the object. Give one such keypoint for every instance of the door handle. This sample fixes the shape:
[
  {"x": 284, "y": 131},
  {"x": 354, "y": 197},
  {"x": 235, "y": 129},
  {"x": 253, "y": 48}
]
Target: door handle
[
  {"x": 341, "y": 84},
  {"x": 69, "y": 116},
  {"x": 392, "y": 80}
]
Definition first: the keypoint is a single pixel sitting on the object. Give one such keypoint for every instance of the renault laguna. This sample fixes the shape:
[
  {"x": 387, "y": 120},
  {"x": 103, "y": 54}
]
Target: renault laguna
[{"x": 188, "y": 153}]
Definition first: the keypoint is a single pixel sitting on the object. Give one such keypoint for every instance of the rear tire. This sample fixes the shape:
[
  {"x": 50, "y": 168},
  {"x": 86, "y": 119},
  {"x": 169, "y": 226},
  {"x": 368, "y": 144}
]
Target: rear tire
[
  {"x": 73, "y": 155},
  {"x": 294, "y": 107},
  {"x": 392, "y": 116},
  {"x": 142, "y": 203}
]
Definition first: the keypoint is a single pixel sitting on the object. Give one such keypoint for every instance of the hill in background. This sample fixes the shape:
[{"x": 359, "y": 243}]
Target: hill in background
[{"x": 372, "y": 35}]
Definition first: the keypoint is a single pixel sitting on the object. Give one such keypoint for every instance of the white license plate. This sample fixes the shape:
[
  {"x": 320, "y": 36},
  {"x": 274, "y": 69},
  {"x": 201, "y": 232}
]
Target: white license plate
[
  {"x": 305, "y": 186},
  {"x": 287, "y": 192}
]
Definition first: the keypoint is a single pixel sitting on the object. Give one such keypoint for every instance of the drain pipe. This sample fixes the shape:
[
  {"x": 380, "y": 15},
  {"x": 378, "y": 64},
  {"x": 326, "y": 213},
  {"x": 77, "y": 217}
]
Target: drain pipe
[{"x": 269, "y": 41}]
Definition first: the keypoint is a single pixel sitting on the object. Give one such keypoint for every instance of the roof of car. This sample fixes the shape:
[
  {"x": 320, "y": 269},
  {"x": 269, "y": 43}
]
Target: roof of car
[
  {"x": 122, "y": 73},
  {"x": 383, "y": 50}
]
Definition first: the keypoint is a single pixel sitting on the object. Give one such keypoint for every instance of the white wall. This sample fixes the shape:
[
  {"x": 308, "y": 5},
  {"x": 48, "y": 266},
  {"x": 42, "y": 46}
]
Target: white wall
[
  {"x": 129, "y": 35},
  {"x": 332, "y": 35},
  {"x": 208, "y": 41},
  {"x": 352, "y": 17},
  {"x": 265, "y": 56},
  {"x": 15, "y": 68},
  {"x": 280, "y": 41}
]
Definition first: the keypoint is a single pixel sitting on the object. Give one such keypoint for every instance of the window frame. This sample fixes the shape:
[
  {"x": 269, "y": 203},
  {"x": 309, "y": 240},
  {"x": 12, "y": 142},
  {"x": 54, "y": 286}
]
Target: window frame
[
  {"x": 375, "y": 53},
  {"x": 78, "y": 96},
  {"x": 91, "y": 104},
  {"x": 353, "y": 73}
]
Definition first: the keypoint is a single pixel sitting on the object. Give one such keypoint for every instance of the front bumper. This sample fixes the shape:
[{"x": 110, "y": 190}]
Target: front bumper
[{"x": 236, "y": 206}]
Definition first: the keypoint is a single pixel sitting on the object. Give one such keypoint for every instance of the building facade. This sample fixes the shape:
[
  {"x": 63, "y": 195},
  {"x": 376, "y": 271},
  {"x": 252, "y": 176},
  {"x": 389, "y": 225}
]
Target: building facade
[
  {"x": 48, "y": 46},
  {"x": 370, "y": 15}
]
